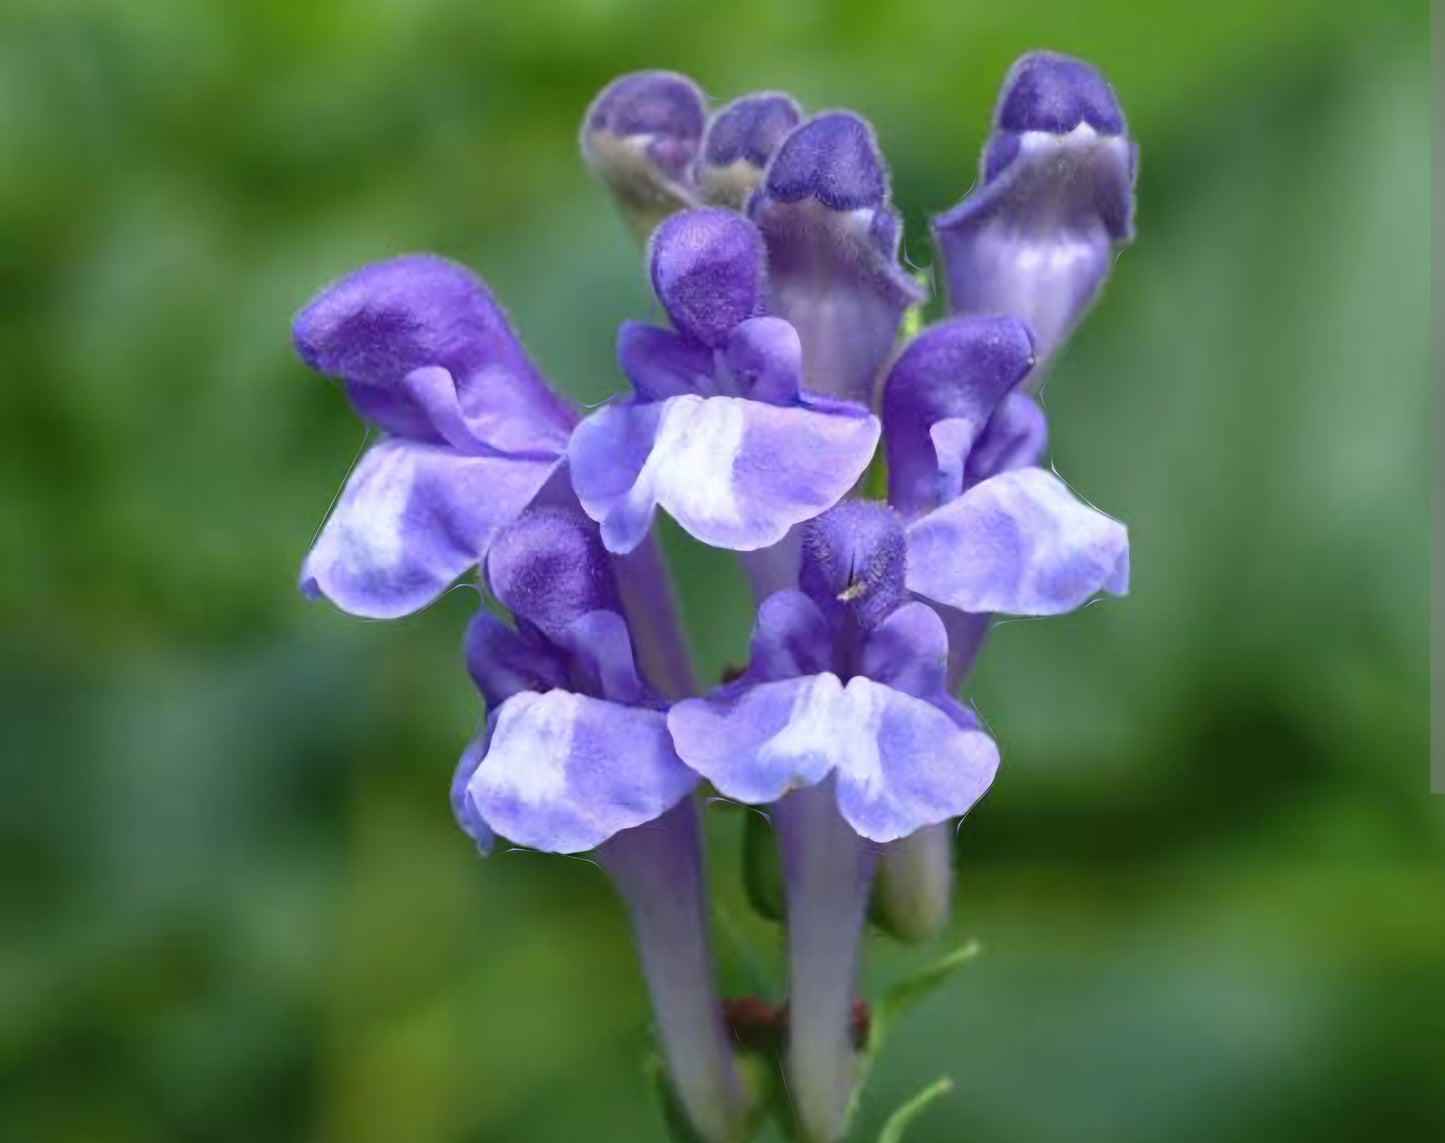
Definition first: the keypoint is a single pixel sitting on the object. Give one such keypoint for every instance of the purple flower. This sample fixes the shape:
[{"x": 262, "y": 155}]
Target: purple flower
[
  {"x": 843, "y": 723},
  {"x": 640, "y": 136},
  {"x": 1038, "y": 237},
  {"x": 576, "y": 756},
  {"x": 833, "y": 238},
  {"x": 846, "y": 679},
  {"x": 987, "y": 530},
  {"x": 576, "y": 747},
  {"x": 719, "y": 432},
  {"x": 472, "y": 433}
]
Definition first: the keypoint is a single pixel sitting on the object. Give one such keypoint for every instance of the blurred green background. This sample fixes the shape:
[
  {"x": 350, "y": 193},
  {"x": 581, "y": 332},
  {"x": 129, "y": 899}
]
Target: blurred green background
[{"x": 1209, "y": 880}]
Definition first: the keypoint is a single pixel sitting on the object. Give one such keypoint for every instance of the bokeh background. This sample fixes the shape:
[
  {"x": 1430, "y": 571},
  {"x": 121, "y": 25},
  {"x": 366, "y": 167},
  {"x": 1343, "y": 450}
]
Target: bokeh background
[{"x": 1208, "y": 882}]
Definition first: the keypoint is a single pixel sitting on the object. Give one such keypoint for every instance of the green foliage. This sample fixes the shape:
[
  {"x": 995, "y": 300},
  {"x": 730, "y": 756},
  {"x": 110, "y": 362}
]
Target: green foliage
[{"x": 899, "y": 1121}]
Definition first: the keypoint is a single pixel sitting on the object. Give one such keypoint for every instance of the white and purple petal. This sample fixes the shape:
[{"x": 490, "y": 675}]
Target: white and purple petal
[
  {"x": 832, "y": 241},
  {"x": 1038, "y": 238},
  {"x": 411, "y": 519},
  {"x": 734, "y": 473},
  {"x": 564, "y": 772},
  {"x": 1019, "y": 543},
  {"x": 907, "y": 764},
  {"x": 900, "y": 762}
]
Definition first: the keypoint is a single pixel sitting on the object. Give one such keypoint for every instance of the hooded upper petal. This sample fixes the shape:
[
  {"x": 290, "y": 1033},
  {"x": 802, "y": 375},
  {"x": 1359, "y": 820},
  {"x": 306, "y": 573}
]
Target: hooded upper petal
[
  {"x": 832, "y": 241},
  {"x": 955, "y": 372},
  {"x": 1057, "y": 196},
  {"x": 734, "y": 473},
  {"x": 564, "y": 772},
  {"x": 386, "y": 327},
  {"x": 1019, "y": 543},
  {"x": 411, "y": 519}
]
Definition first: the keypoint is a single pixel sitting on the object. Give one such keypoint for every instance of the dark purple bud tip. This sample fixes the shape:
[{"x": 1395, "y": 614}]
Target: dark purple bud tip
[
  {"x": 550, "y": 568},
  {"x": 707, "y": 270},
  {"x": 750, "y": 129},
  {"x": 854, "y": 561},
  {"x": 661, "y": 106},
  {"x": 1045, "y": 91},
  {"x": 832, "y": 158}
]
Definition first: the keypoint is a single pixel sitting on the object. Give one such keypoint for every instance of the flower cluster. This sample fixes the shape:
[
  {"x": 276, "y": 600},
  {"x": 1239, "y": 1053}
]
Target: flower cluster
[{"x": 755, "y": 419}]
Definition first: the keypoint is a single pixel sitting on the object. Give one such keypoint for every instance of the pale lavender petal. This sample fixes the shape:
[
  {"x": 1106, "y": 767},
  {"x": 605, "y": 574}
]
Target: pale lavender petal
[
  {"x": 1019, "y": 543},
  {"x": 745, "y": 743},
  {"x": 832, "y": 241},
  {"x": 606, "y": 458},
  {"x": 707, "y": 271},
  {"x": 661, "y": 363},
  {"x": 411, "y": 519},
  {"x": 902, "y": 763},
  {"x": 375, "y": 326},
  {"x": 1038, "y": 238},
  {"x": 955, "y": 373},
  {"x": 734, "y": 473},
  {"x": 565, "y": 772}
]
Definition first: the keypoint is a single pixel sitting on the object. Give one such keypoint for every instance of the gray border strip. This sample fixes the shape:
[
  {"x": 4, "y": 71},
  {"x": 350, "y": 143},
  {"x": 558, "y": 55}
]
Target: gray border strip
[{"x": 1437, "y": 410}]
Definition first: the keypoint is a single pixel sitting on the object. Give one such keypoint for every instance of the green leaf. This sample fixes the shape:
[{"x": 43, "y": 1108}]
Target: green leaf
[
  {"x": 899, "y": 1121},
  {"x": 896, "y": 1001},
  {"x": 762, "y": 870},
  {"x": 917, "y": 985}
]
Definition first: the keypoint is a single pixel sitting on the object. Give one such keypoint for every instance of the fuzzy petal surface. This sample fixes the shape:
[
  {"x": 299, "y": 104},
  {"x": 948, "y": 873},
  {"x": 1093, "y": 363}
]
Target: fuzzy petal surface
[
  {"x": 376, "y": 325},
  {"x": 1037, "y": 238},
  {"x": 833, "y": 241}
]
